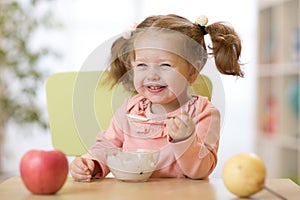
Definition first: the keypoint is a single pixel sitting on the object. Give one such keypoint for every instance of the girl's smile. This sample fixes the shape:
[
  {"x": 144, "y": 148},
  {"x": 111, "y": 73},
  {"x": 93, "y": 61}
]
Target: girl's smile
[{"x": 155, "y": 88}]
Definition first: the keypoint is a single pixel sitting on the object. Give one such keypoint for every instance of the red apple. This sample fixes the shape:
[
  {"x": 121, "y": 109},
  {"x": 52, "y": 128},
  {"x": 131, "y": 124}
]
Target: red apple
[{"x": 44, "y": 172}]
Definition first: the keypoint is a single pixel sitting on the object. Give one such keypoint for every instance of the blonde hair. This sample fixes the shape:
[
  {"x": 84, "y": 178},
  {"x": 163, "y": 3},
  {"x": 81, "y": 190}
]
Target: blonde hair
[{"x": 226, "y": 46}]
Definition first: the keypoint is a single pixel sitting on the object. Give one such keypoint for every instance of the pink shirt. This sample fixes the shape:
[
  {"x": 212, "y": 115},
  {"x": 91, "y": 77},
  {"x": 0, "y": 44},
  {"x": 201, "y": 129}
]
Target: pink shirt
[{"x": 195, "y": 157}]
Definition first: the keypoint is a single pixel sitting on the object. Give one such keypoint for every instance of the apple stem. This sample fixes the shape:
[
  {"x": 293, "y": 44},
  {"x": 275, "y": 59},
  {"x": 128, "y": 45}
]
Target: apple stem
[{"x": 274, "y": 193}]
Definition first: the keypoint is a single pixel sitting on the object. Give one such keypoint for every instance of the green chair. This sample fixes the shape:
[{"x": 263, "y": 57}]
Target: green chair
[{"x": 82, "y": 103}]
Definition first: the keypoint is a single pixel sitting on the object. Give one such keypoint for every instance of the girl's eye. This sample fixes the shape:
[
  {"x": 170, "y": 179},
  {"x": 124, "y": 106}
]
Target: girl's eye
[
  {"x": 165, "y": 65},
  {"x": 141, "y": 65}
]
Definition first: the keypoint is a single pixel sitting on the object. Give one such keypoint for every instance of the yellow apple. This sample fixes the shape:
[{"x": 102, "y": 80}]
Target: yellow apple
[{"x": 244, "y": 174}]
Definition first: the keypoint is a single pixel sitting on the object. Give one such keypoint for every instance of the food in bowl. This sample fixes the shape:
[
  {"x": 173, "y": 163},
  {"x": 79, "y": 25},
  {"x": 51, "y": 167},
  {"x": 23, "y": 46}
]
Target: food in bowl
[{"x": 134, "y": 166}]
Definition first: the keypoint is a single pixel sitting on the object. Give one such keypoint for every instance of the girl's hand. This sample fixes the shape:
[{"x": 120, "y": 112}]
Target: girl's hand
[
  {"x": 181, "y": 127},
  {"x": 82, "y": 169}
]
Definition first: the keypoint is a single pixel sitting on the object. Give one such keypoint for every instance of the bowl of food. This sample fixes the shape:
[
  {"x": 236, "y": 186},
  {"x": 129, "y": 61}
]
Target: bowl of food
[{"x": 133, "y": 166}]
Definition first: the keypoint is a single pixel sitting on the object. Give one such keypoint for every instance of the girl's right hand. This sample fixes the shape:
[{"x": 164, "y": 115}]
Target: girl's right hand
[{"x": 82, "y": 169}]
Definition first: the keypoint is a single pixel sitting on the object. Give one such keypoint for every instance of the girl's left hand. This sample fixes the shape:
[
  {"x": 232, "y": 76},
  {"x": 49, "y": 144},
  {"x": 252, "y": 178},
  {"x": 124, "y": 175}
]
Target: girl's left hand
[{"x": 180, "y": 128}]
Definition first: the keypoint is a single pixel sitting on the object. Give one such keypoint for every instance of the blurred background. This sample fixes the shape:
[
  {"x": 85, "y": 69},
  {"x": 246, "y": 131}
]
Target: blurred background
[{"x": 38, "y": 38}]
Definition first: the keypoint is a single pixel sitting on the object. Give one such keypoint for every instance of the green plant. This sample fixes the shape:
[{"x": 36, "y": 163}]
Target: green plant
[{"x": 20, "y": 72}]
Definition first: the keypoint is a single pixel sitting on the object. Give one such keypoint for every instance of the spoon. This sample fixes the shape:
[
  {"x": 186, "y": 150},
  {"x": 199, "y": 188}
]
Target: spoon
[{"x": 138, "y": 118}]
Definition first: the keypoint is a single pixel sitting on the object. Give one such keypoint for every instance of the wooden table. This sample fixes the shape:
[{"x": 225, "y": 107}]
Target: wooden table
[{"x": 164, "y": 189}]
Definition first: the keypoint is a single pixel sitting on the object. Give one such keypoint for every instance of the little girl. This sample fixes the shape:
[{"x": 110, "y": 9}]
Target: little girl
[{"x": 159, "y": 60}]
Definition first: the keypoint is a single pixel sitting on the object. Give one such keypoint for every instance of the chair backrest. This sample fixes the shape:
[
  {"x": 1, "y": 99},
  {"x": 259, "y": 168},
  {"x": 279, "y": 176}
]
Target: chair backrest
[{"x": 82, "y": 103}]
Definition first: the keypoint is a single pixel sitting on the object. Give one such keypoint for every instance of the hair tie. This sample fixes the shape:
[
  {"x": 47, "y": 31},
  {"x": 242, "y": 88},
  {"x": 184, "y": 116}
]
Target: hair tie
[
  {"x": 128, "y": 32},
  {"x": 201, "y": 22}
]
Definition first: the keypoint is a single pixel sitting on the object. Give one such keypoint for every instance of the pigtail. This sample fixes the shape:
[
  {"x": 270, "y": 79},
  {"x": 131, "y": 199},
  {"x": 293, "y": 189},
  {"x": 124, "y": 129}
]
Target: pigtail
[
  {"x": 226, "y": 48},
  {"x": 120, "y": 63}
]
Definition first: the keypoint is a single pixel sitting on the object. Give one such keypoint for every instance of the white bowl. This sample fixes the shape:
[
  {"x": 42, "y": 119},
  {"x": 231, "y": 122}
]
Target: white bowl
[{"x": 134, "y": 166}]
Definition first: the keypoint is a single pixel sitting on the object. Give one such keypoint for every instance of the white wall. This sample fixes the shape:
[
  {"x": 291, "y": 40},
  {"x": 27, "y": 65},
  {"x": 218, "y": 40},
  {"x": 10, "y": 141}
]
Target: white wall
[{"x": 90, "y": 23}]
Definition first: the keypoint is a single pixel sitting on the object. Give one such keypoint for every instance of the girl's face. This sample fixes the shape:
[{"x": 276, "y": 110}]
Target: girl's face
[{"x": 162, "y": 77}]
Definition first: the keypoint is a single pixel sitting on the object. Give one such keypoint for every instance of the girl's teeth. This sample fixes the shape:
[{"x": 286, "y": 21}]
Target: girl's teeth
[{"x": 155, "y": 87}]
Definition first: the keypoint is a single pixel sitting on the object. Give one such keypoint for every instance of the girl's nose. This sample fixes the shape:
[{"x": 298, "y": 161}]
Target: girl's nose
[{"x": 153, "y": 73}]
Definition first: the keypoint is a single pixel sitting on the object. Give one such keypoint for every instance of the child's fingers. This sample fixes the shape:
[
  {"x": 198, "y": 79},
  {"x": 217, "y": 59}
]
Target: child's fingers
[
  {"x": 186, "y": 122},
  {"x": 79, "y": 170},
  {"x": 182, "y": 120},
  {"x": 82, "y": 164},
  {"x": 172, "y": 126},
  {"x": 90, "y": 165},
  {"x": 184, "y": 116},
  {"x": 82, "y": 177},
  {"x": 181, "y": 126}
]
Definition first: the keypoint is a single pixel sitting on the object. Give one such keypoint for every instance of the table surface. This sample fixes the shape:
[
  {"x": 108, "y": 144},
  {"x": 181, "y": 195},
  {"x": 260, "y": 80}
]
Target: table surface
[{"x": 171, "y": 188}]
